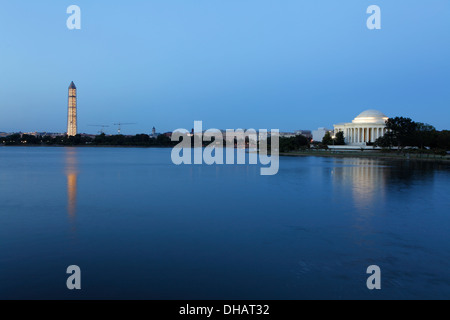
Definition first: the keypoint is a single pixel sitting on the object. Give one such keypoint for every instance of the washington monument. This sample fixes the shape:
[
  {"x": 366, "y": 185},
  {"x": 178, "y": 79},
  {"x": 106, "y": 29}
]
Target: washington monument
[{"x": 72, "y": 111}]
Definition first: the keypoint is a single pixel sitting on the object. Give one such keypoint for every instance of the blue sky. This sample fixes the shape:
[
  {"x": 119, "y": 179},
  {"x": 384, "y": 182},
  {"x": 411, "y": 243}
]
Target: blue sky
[{"x": 286, "y": 64}]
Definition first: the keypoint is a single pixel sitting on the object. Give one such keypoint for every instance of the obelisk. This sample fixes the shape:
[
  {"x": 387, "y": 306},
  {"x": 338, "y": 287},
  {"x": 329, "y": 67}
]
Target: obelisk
[{"x": 72, "y": 111}]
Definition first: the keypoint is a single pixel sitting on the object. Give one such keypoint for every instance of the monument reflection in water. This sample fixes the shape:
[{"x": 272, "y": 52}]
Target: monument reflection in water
[{"x": 71, "y": 170}]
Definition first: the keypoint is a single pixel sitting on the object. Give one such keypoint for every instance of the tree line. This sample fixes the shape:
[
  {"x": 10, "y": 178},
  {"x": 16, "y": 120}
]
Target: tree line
[
  {"x": 143, "y": 140},
  {"x": 404, "y": 132}
]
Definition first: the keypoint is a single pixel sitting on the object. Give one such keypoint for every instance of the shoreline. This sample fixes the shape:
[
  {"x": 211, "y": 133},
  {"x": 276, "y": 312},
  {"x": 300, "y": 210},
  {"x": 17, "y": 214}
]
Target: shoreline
[
  {"x": 83, "y": 146},
  {"x": 326, "y": 154},
  {"x": 371, "y": 155}
]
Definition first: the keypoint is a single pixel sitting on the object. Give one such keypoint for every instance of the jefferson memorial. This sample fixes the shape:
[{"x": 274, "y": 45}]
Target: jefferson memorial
[{"x": 367, "y": 127}]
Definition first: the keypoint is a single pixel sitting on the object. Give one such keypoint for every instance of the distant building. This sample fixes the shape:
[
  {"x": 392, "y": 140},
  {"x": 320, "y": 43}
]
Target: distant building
[
  {"x": 87, "y": 135},
  {"x": 154, "y": 134},
  {"x": 306, "y": 133},
  {"x": 287, "y": 134},
  {"x": 318, "y": 134},
  {"x": 36, "y": 134},
  {"x": 367, "y": 127},
  {"x": 53, "y": 135},
  {"x": 72, "y": 111}
]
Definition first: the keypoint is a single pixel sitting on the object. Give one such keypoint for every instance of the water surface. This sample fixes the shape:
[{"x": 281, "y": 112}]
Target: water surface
[{"x": 140, "y": 227}]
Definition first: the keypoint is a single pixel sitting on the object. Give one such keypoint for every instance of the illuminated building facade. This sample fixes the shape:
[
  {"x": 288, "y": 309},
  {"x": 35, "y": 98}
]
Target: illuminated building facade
[{"x": 365, "y": 128}]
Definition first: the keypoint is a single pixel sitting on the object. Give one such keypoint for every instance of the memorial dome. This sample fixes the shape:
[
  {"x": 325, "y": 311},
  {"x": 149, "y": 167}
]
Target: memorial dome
[{"x": 371, "y": 116}]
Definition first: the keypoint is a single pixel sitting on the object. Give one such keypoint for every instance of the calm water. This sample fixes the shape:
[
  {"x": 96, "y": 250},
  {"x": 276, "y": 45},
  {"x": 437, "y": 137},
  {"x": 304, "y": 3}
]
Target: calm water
[{"x": 140, "y": 227}]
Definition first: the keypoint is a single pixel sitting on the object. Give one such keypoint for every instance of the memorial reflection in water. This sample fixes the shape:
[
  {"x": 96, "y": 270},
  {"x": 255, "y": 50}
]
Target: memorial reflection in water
[{"x": 367, "y": 180}]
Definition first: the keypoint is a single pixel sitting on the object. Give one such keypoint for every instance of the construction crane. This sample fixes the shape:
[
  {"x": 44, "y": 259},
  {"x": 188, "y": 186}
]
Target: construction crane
[
  {"x": 120, "y": 124},
  {"x": 99, "y": 125}
]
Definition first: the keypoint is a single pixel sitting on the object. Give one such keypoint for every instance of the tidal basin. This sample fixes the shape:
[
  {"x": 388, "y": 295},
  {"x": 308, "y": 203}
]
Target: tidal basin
[{"x": 141, "y": 227}]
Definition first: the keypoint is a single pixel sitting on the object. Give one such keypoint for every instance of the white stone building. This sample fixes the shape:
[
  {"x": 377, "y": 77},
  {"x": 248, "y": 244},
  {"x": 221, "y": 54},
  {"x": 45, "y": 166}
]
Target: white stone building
[{"x": 367, "y": 127}]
